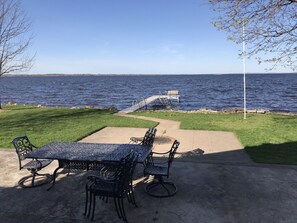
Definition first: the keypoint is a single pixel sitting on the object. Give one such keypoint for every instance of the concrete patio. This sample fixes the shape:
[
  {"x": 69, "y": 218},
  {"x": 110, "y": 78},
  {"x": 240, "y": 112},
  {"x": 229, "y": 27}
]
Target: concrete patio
[
  {"x": 217, "y": 182},
  {"x": 207, "y": 193}
]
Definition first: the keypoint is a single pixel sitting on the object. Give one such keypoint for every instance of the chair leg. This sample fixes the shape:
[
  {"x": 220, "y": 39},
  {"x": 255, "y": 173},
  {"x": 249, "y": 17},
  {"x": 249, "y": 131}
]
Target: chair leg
[
  {"x": 133, "y": 199},
  {"x": 90, "y": 203},
  {"x": 68, "y": 171},
  {"x": 33, "y": 178},
  {"x": 123, "y": 209},
  {"x": 131, "y": 196},
  {"x": 94, "y": 204},
  {"x": 120, "y": 208},
  {"x": 117, "y": 207},
  {"x": 87, "y": 199}
]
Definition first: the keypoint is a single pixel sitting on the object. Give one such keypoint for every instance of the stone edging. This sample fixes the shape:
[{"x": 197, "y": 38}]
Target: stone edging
[{"x": 229, "y": 111}]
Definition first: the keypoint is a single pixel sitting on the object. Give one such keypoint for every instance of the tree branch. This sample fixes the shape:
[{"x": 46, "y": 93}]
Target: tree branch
[{"x": 270, "y": 26}]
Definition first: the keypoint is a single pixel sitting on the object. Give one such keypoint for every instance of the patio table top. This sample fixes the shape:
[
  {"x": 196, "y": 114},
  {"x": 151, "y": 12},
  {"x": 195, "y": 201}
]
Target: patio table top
[{"x": 77, "y": 151}]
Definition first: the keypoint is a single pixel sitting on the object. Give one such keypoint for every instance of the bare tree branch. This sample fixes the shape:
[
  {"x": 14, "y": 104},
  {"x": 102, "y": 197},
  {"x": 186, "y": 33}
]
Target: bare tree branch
[
  {"x": 15, "y": 38},
  {"x": 270, "y": 27}
]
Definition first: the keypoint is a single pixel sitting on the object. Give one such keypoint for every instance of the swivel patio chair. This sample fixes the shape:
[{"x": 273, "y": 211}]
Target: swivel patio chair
[
  {"x": 158, "y": 187},
  {"x": 118, "y": 186},
  {"x": 148, "y": 138},
  {"x": 23, "y": 146}
]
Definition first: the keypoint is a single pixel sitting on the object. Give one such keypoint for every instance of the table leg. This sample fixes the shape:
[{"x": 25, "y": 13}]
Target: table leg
[{"x": 54, "y": 176}]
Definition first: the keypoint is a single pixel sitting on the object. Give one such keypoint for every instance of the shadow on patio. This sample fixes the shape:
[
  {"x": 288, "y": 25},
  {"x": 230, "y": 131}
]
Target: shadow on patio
[{"x": 209, "y": 191}]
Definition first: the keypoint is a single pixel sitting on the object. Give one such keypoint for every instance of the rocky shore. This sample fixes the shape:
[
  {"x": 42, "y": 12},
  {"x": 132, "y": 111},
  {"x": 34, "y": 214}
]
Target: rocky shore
[
  {"x": 226, "y": 111},
  {"x": 201, "y": 110}
]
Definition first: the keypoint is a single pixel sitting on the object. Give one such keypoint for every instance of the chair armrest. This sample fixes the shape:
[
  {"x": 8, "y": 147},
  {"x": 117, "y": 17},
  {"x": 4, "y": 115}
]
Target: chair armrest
[
  {"x": 151, "y": 160},
  {"x": 161, "y": 153}
]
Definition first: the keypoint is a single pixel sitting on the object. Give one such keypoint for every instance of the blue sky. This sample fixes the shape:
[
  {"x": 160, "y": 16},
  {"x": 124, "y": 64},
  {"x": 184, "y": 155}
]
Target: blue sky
[{"x": 130, "y": 37}]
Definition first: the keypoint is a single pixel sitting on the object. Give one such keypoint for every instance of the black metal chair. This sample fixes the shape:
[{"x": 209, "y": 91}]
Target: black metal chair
[
  {"x": 23, "y": 146},
  {"x": 148, "y": 138},
  {"x": 118, "y": 186},
  {"x": 158, "y": 187}
]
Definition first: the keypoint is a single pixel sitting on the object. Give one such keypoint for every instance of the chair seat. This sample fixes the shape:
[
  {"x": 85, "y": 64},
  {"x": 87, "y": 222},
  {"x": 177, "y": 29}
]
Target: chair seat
[
  {"x": 104, "y": 188},
  {"x": 37, "y": 164},
  {"x": 156, "y": 170}
]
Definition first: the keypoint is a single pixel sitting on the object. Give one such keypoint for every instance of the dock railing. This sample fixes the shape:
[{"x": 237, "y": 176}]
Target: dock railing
[{"x": 165, "y": 99}]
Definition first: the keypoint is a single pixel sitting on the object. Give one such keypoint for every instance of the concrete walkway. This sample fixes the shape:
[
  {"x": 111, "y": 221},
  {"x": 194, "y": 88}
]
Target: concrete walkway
[
  {"x": 221, "y": 185},
  {"x": 206, "y": 146}
]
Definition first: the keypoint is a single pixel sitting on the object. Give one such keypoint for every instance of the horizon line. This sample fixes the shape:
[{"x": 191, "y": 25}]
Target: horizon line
[{"x": 135, "y": 74}]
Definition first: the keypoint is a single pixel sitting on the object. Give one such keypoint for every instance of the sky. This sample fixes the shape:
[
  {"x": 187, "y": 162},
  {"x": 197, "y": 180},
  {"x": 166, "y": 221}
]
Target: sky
[{"x": 130, "y": 37}]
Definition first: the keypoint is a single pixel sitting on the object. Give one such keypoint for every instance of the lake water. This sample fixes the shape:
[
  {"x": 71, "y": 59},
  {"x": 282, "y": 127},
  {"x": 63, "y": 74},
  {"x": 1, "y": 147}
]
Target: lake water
[{"x": 275, "y": 92}]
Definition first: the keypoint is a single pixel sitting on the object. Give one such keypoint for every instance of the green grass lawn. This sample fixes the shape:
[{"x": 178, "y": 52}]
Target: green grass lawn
[
  {"x": 267, "y": 138},
  {"x": 43, "y": 125}
]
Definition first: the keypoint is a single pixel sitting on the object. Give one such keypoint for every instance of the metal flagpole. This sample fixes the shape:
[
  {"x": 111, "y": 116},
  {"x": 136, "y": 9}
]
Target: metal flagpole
[{"x": 244, "y": 71}]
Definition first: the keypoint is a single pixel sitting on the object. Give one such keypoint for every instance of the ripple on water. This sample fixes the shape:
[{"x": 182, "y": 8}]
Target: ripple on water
[{"x": 271, "y": 91}]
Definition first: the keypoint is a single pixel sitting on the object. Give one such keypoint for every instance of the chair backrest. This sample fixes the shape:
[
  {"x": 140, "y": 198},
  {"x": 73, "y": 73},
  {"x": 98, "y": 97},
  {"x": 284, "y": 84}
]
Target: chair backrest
[
  {"x": 124, "y": 172},
  {"x": 172, "y": 153},
  {"x": 22, "y": 146},
  {"x": 146, "y": 135},
  {"x": 149, "y": 137}
]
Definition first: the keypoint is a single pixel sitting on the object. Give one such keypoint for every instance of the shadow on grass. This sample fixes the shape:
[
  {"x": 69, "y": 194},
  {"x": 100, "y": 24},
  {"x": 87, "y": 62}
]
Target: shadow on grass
[
  {"x": 48, "y": 116},
  {"x": 284, "y": 153}
]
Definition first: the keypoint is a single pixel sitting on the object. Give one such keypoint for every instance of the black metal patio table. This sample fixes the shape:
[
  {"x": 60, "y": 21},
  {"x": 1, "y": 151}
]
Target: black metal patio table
[{"x": 85, "y": 156}]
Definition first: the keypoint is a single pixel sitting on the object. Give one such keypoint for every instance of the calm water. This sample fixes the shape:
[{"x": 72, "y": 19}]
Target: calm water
[{"x": 275, "y": 92}]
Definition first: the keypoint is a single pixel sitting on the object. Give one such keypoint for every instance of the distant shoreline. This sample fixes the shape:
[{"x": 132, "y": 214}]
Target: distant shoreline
[{"x": 71, "y": 75}]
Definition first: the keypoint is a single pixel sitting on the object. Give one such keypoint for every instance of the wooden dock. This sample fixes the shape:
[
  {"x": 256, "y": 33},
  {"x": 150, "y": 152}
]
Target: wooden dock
[{"x": 149, "y": 100}]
